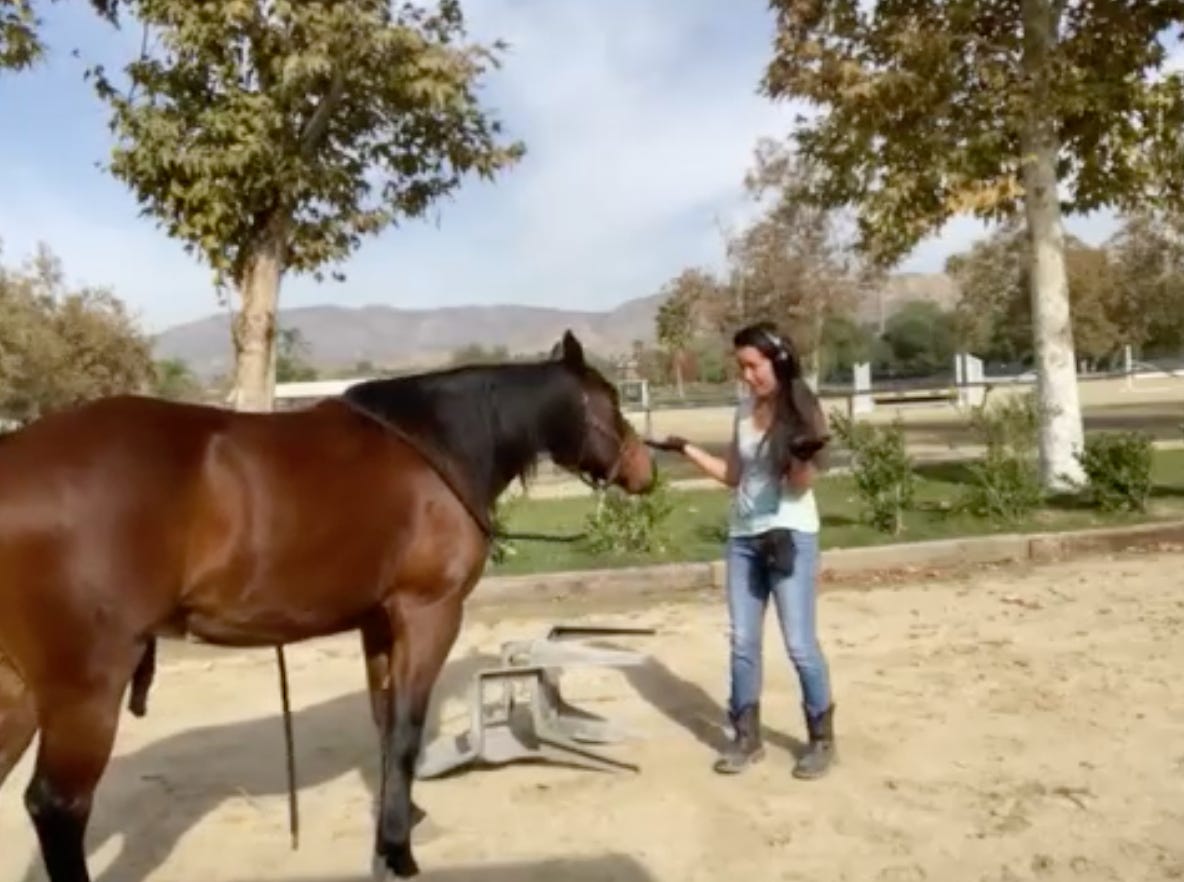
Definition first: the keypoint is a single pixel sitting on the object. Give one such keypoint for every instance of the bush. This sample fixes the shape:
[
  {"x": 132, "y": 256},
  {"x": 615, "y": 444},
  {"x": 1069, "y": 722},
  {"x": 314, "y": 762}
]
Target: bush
[
  {"x": 1118, "y": 470},
  {"x": 882, "y": 470},
  {"x": 1005, "y": 484},
  {"x": 622, "y": 524},
  {"x": 502, "y": 549}
]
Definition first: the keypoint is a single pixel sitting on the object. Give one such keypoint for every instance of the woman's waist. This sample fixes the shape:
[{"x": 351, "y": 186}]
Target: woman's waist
[
  {"x": 767, "y": 496},
  {"x": 784, "y": 505}
]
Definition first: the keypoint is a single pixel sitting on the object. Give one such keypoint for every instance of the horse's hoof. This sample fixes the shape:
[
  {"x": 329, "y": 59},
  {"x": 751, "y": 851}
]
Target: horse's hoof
[{"x": 396, "y": 864}]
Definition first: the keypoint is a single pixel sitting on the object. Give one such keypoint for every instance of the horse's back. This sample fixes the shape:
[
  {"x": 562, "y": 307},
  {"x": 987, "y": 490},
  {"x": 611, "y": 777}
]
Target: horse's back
[{"x": 101, "y": 453}]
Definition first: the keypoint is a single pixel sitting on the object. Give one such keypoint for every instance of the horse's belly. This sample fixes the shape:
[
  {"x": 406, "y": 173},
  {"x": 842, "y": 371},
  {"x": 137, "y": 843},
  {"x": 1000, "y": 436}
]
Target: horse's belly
[{"x": 264, "y": 613}]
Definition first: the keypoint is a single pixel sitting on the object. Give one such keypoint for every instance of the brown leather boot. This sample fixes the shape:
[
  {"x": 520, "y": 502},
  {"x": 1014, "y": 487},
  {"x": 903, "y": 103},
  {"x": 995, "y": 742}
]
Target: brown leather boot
[
  {"x": 746, "y": 747},
  {"x": 820, "y": 753}
]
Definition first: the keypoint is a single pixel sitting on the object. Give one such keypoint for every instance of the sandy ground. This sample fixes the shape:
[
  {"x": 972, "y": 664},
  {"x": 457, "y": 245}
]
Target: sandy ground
[{"x": 1005, "y": 724}]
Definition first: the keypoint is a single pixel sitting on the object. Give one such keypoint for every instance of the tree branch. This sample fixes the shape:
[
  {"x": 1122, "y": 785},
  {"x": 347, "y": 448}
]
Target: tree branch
[{"x": 318, "y": 123}]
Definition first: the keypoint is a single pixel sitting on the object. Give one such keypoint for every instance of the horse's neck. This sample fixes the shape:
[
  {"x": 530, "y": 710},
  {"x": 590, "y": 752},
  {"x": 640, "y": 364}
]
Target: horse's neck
[
  {"x": 517, "y": 420},
  {"x": 519, "y": 445}
]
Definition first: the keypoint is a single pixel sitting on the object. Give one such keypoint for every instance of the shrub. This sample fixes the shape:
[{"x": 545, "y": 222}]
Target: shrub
[
  {"x": 881, "y": 468},
  {"x": 622, "y": 524},
  {"x": 502, "y": 549},
  {"x": 1005, "y": 484},
  {"x": 1118, "y": 470}
]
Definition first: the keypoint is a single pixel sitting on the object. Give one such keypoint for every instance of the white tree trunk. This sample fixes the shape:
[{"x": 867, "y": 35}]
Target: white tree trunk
[
  {"x": 811, "y": 373},
  {"x": 255, "y": 325},
  {"x": 1061, "y": 430},
  {"x": 812, "y": 368}
]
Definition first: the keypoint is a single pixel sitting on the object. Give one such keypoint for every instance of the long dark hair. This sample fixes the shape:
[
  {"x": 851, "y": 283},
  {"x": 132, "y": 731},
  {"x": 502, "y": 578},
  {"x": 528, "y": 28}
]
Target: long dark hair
[{"x": 799, "y": 427}]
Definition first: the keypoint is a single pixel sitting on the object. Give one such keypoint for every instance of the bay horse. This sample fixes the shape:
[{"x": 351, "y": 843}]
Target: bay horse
[{"x": 131, "y": 517}]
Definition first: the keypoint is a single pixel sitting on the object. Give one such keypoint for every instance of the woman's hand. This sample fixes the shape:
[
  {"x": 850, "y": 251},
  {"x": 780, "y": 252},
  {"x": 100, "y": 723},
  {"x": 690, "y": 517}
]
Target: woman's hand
[
  {"x": 805, "y": 448},
  {"x": 723, "y": 469},
  {"x": 672, "y": 443},
  {"x": 800, "y": 475}
]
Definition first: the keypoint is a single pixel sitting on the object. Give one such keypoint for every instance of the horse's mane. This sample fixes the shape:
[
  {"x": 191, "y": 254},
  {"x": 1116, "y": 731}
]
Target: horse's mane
[{"x": 491, "y": 422}]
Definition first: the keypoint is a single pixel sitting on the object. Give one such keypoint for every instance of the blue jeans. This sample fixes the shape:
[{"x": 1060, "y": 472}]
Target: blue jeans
[{"x": 749, "y": 585}]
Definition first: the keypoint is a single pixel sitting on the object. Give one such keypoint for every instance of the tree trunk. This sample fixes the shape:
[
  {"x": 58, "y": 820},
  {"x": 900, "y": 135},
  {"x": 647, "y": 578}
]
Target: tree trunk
[
  {"x": 678, "y": 378},
  {"x": 812, "y": 372},
  {"x": 255, "y": 324},
  {"x": 812, "y": 369},
  {"x": 1061, "y": 430}
]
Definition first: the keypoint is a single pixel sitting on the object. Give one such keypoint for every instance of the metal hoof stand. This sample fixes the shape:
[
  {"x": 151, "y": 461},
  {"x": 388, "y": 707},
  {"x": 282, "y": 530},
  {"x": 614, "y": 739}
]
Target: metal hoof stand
[{"x": 532, "y": 721}]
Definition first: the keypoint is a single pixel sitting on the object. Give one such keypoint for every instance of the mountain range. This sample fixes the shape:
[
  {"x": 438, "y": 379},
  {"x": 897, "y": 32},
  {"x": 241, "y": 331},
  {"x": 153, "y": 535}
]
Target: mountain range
[{"x": 340, "y": 337}]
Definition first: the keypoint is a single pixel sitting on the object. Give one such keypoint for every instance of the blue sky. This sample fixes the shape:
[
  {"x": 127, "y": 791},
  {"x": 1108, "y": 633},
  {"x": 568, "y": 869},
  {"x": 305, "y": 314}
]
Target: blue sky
[{"x": 639, "y": 118}]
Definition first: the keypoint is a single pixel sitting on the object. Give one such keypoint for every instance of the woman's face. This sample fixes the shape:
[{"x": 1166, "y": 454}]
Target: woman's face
[{"x": 756, "y": 371}]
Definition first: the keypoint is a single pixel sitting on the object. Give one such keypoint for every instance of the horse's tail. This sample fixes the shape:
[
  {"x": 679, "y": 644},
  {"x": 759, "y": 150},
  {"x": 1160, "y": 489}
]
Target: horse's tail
[{"x": 137, "y": 699}]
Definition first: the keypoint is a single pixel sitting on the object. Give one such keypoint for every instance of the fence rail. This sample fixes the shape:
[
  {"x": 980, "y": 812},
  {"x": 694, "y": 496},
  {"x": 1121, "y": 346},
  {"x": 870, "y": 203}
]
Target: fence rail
[{"x": 928, "y": 389}]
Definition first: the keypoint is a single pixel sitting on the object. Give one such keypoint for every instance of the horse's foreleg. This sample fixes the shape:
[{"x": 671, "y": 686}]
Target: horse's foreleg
[
  {"x": 18, "y": 720},
  {"x": 423, "y": 638},
  {"x": 77, "y": 723}
]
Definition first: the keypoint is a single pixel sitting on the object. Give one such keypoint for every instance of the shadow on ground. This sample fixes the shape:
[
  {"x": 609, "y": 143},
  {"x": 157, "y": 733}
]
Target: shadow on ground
[
  {"x": 610, "y": 868},
  {"x": 332, "y": 738},
  {"x": 689, "y": 704}
]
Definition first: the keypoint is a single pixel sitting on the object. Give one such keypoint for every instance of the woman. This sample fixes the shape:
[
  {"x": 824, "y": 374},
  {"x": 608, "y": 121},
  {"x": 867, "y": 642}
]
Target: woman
[{"x": 772, "y": 544}]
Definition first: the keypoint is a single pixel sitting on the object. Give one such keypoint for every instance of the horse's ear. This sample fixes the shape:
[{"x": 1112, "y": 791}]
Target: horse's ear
[{"x": 569, "y": 350}]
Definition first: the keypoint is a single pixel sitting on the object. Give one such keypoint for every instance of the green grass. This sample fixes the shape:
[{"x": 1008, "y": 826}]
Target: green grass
[{"x": 695, "y": 529}]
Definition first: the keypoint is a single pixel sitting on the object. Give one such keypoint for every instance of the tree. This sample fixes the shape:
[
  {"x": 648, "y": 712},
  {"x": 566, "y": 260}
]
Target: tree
[
  {"x": 173, "y": 379},
  {"x": 993, "y": 316},
  {"x": 939, "y": 107},
  {"x": 61, "y": 347},
  {"x": 20, "y": 43},
  {"x": 845, "y": 343},
  {"x": 291, "y": 358},
  {"x": 781, "y": 272},
  {"x": 271, "y": 136},
  {"x": 1093, "y": 285},
  {"x": 476, "y": 353},
  {"x": 920, "y": 338},
  {"x": 1148, "y": 254},
  {"x": 792, "y": 265},
  {"x": 680, "y": 316}
]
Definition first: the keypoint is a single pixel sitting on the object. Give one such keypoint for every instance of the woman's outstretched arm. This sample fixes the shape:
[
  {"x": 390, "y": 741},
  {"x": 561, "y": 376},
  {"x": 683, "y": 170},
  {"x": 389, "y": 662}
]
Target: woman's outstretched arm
[{"x": 724, "y": 469}]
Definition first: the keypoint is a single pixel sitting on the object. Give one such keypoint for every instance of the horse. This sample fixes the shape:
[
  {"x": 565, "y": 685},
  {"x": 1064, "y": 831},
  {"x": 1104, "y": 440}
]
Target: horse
[{"x": 132, "y": 517}]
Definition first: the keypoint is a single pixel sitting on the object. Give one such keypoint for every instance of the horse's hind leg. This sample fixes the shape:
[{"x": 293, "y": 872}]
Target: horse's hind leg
[
  {"x": 77, "y": 722},
  {"x": 423, "y": 638},
  {"x": 376, "y": 648},
  {"x": 18, "y": 720}
]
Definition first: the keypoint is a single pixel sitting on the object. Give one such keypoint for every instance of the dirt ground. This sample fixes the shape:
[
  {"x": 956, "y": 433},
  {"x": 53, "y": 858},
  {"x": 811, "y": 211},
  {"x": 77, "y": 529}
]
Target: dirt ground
[{"x": 1007, "y": 724}]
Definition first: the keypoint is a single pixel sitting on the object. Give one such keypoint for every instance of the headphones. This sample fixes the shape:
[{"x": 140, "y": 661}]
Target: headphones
[{"x": 782, "y": 351}]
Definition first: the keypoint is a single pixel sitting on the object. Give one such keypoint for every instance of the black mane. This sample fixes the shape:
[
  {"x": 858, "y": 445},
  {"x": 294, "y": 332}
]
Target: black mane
[{"x": 491, "y": 422}]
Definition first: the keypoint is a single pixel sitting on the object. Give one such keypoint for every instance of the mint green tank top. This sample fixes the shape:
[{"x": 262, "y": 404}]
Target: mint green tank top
[{"x": 761, "y": 501}]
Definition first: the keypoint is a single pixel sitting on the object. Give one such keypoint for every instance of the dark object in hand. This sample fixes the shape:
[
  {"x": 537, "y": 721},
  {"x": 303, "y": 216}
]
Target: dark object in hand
[
  {"x": 670, "y": 442},
  {"x": 806, "y": 448},
  {"x": 778, "y": 551}
]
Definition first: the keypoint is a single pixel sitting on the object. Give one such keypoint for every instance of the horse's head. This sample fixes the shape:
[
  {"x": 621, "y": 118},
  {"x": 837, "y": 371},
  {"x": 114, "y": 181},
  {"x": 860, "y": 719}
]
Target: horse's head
[{"x": 603, "y": 445}]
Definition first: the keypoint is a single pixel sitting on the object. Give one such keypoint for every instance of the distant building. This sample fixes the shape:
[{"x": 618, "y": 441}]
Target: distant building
[{"x": 289, "y": 396}]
